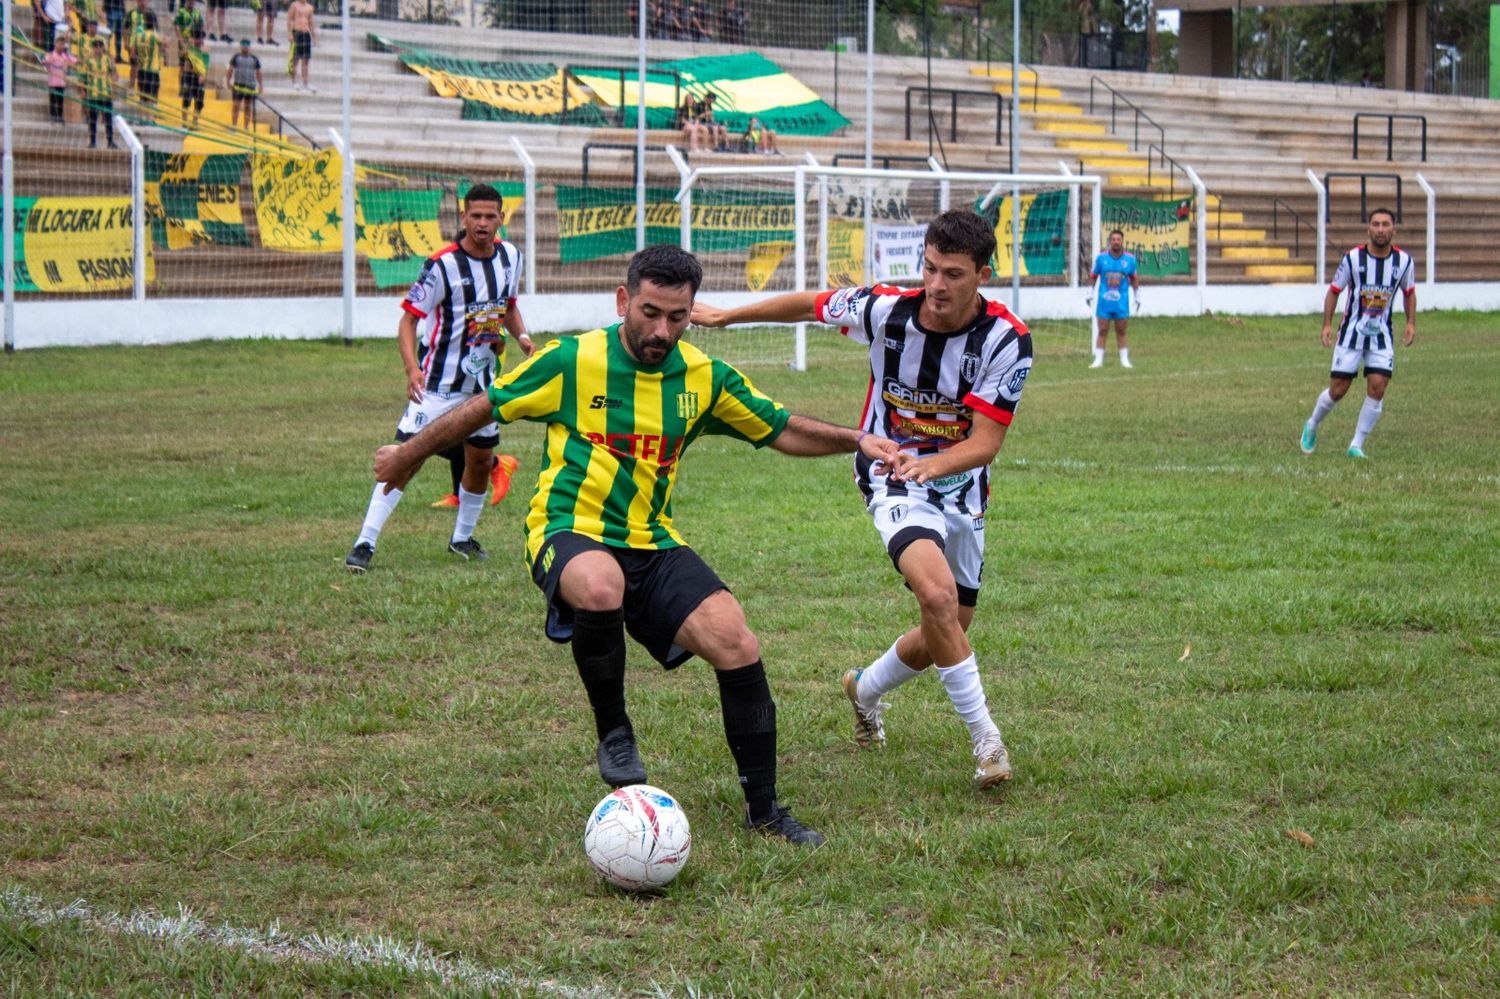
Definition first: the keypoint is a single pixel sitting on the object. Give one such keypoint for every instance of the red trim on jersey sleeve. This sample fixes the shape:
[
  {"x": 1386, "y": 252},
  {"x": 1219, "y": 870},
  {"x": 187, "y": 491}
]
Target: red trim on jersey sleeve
[
  {"x": 864, "y": 411},
  {"x": 1333, "y": 286},
  {"x": 821, "y": 300},
  {"x": 998, "y": 309},
  {"x": 510, "y": 303},
  {"x": 989, "y": 409},
  {"x": 894, "y": 289},
  {"x": 413, "y": 309}
]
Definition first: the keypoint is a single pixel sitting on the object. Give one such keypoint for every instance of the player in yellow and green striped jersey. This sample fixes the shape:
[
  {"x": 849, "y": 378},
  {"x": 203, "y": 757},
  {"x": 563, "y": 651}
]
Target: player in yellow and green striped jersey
[{"x": 621, "y": 405}]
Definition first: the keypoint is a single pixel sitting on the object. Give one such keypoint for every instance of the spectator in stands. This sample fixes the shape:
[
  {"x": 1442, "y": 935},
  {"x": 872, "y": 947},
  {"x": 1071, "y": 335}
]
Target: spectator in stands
[
  {"x": 717, "y": 134},
  {"x": 758, "y": 139},
  {"x": 146, "y": 60},
  {"x": 687, "y": 120},
  {"x": 243, "y": 80},
  {"x": 193, "y": 69},
  {"x": 53, "y": 14},
  {"x": 187, "y": 20},
  {"x": 731, "y": 24},
  {"x": 299, "y": 23},
  {"x": 135, "y": 23},
  {"x": 265, "y": 22},
  {"x": 217, "y": 12},
  {"x": 58, "y": 61},
  {"x": 698, "y": 24},
  {"x": 114, "y": 16},
  {"x": 97, "y": 77},
  {"x": 674, "y": 24}
]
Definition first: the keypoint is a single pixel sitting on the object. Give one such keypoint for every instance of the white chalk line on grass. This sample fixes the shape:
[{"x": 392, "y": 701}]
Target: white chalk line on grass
[
  {"x": 275, "y": 944},
  {"x": 1290, "y": 470}
]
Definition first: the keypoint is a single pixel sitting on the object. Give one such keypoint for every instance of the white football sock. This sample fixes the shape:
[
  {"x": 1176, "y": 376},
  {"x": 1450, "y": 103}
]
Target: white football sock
[
  {"x": 1322, "y": 408},
  {"x": 967, "y": 694},
  {"x": 1098, "y": 355},
  {"x": 1124, "y": 355},
  {"x": 884, "y": 674},
  {"x": 469, "y": 507},
  {"x": 1369, "y": 413},
  {"x": 381, "y": 506}
]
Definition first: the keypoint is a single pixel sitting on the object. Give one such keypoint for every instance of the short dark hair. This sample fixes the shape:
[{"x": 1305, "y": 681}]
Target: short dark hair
[
  {"x": 1117, "y": 232},
  {"x": 1380, "y": 211},
  {"x": 665, "y": 265},
  {"x": 151, "y": 20},
  {"x": 483, "y": 192},
  {"x": 961, "y": 231}
]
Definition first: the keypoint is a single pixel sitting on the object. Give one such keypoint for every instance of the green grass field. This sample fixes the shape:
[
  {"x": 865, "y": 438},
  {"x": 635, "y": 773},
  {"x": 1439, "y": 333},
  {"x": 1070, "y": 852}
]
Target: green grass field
[{"x": 1250, "y": 695}]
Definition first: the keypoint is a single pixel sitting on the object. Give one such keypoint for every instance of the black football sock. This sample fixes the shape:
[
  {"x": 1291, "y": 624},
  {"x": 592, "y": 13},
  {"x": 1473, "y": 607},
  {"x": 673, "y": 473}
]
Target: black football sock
[
  {"x": 455, "y": 456},
  {"x": 599, "y": 652},
  {"x": 750, "y": 730}
]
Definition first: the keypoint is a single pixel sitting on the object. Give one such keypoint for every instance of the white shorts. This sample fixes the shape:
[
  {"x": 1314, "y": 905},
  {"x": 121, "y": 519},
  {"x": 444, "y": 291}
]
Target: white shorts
[
  {"x": 435, "y": 404},
  {"x": 902, "y": 520},
  {"x": 1375, "y": 359}
]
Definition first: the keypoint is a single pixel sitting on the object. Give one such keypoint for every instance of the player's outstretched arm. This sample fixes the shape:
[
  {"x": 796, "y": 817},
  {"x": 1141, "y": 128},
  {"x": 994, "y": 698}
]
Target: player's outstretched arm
[
  {"x": 395, "y": 464},
  {"x": 974, "y": 451},
  {"x": 805, "y": 437},
  {"x": 793, "y": 307}
]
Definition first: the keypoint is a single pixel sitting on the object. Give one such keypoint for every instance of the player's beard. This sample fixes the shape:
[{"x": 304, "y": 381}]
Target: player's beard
[
  {"x": 1381, "y": 240},
  {"x": 649, "y": 350}
]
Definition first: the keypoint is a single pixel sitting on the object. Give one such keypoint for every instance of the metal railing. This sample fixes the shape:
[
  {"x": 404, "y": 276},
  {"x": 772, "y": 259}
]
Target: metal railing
[
  {"x": 858, "y": 159},
  {"x": 630, "y": 146},
  {"x": 1115, "y": 100},
  {"x": 953, "y": 95},
  {"x": 1299, "y": 220},
  {"x": 989, "y": 46},
  {"x": 1390, "y": 130},
  {"x": 282, "y": 119},
  {"x": 1364, "y": 203}
]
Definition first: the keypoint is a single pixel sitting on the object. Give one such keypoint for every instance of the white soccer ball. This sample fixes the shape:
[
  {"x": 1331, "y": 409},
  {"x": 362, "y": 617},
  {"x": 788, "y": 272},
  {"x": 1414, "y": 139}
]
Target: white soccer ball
[{"x": 638, "y": 838}]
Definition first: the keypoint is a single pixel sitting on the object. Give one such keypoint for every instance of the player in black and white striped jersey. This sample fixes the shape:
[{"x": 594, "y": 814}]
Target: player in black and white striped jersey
[
  {"x": 1373, "y": 274},
  {"x": 465, "y": 300},
  {"x": 947, "y": 367}
]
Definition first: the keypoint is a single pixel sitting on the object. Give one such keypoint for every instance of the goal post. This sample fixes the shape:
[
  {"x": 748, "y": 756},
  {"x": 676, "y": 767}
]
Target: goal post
[{"x": 792, "y": 226}]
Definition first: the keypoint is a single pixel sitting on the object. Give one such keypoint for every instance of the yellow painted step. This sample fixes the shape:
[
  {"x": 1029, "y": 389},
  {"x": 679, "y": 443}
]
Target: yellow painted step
[
  {"x": 1028, "y": 92},
  {"x": 1073, "y": 127},
  {"x": 1000, "y": 73},
  {"x": 1225, "y": 218},
  {"x": 1240, "y": 235},
  {"x": 1115, "y": 162},
  {"x": 1129, "y": 180},
  {"x": 1067, "y": 109},
  {"x": 1255, "y": 253},
  {"x": 1094, "y": 145},
  {"x": 1285, "y": 271}
]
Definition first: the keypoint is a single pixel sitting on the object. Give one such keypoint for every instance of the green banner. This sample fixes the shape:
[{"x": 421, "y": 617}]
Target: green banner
[
  {"x": 193, "y": 199},
  {"x": 750, "y": 84},
  {"x": 1494, "y": 52},
  {"x": 18, "y": 240},
  {"x": 1044, "y": 231},
  {"x": 596, "y": 222},
  {"x": 1156, "y": 232},
  {"x": 398, "y": 230}
]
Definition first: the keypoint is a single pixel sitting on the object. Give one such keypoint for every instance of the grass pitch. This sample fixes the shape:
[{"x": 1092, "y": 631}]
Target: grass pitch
[{"x": 1250, "y": 695}]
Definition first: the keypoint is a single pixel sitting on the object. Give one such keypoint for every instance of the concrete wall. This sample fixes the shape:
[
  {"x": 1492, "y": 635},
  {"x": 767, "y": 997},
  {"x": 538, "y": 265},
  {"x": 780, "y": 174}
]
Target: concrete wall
[{"x": 87, "y": 323}]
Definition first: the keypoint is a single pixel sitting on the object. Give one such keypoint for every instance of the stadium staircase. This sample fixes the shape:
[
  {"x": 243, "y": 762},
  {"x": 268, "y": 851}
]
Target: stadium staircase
[{"x": 1251, "y": 142}]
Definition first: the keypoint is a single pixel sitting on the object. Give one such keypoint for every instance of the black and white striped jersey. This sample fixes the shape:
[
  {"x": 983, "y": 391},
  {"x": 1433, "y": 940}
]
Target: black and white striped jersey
[
  {"x": 925, "y": 386},
  {"x": 1372, "y": 282},
  {"x": 464, "y": 301}
]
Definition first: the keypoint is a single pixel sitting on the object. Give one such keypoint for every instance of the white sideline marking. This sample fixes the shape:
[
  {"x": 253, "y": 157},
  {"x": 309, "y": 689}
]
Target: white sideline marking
[
  {"x": 273, "y": 943},
  {"x": 1295, "y": 469}
]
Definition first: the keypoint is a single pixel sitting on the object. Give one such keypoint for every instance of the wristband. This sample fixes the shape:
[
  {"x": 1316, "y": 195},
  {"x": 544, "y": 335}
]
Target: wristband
[{"x": 860, "y": 439}]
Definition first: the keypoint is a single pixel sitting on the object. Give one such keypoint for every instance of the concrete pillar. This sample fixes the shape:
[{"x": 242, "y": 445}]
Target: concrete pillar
[
  {"x": 1205, "y": 43},
  {"x": 1408, "y": 52}
]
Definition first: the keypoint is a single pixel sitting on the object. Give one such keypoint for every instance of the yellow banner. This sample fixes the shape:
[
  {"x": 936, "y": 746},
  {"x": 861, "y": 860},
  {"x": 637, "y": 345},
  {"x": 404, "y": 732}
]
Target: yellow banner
[
  {"x": 298, "y": 202},
  {"x": 846, "y": 254},
  {"x": 762, "y": 262},
  {"x": 535, "y": 97},
  {"x": 82, "y": 244}
]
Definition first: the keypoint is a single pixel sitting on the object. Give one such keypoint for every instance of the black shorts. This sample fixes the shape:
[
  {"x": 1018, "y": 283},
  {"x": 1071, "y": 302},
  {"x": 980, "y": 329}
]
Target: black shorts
[
  {"x": 662, "y": 588},
  {"x": 301, "y": 45},
  {"x": 190, "y": 86},
  {"x": 148, "y": 82},
  {"x": 218, "y": 4}
]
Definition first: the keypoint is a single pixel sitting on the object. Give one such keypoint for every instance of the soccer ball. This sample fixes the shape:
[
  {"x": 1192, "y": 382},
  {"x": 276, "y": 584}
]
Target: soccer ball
[{"x": 637, "y": 838}]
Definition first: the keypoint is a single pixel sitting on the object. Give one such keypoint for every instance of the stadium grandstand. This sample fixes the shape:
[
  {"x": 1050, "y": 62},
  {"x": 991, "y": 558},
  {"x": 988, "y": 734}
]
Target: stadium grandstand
[{"x": 441, "y": 96}]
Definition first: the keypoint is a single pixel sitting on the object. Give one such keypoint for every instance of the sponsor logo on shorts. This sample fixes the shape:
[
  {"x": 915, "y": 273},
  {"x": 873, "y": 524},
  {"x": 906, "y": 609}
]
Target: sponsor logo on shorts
[
  {"x": 548, "y": 557},
  {"x": 897, "y": 514}
]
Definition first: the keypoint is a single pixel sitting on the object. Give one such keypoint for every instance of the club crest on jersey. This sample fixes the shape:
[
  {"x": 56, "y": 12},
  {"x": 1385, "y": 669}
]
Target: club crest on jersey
[
  {"x": 840, "y": 303},
  {"x": 1017, "y": 380},
  {"x": 414, "y": 293},
  {"x": 687, "y": 405},
  {"x": 968, "y": 367}
]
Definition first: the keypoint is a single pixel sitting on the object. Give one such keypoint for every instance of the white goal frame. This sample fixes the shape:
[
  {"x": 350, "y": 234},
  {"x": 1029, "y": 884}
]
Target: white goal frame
[{"x": 812, "y": 171}]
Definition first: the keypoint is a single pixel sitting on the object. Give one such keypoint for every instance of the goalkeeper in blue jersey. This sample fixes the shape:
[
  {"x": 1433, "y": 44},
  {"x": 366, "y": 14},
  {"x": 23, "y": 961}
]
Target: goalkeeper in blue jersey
[{"x": 1115, "y": 276}]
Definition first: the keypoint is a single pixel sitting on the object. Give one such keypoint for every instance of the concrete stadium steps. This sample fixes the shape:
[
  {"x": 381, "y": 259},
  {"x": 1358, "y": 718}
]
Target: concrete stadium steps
[{"x": 1250, "y": 142}]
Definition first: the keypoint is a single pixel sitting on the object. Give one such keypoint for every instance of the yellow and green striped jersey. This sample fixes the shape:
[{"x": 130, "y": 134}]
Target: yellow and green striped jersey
[
  {"x": 98, "y": 75},
  {"x": 147, "y": 51},
  {"x": 616, "y": 432}
]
